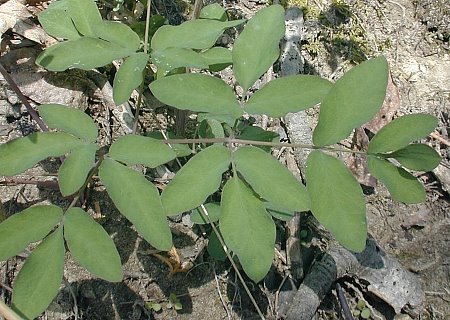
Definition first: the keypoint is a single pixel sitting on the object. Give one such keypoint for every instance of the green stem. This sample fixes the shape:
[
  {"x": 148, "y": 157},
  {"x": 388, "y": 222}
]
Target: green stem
[
  {"x": 259, "y": 143},
  {"x": 88, "y": 179},
  {"x": 7, "y": 312},
  {"x": 141, "y": 87}
]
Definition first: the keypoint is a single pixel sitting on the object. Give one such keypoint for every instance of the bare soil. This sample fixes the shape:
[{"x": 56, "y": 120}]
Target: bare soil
[{"x": 337, "y": 35}]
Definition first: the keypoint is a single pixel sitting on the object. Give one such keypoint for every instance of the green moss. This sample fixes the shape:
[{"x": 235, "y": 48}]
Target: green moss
[
  {"x": 342, "y": 8},
  {"x": 297, "y": 3},
  {"x": 341, "y": 34},
  {"x": 309, "y": 11}
]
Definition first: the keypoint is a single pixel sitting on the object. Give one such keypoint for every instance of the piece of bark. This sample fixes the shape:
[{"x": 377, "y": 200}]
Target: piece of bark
[
  {"x": 388, "y": 110},
  {"x": 384, "y": 276},
  {"x": 298, "y": 129},
  {"x": 291, "y": 63},
  {"x": 293, "y": 248},
  {"x": 358, "y": 163}
]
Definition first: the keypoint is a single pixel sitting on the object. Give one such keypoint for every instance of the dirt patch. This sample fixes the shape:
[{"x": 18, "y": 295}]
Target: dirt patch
[{"x": 337, "y": 34}]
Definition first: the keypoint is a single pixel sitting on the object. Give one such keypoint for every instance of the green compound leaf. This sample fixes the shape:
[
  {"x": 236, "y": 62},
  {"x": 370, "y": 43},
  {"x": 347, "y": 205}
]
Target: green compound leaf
[
  {"x": 129, "y": 77},
  {"x": 118, "y": 33},
  {"x": 193, "y": 34},
  {"x": 132, "y": 149},
  {"x": 217, "y": 58},
  {"x": 169, "y": 59},
  {"x": 38, "y": 281},
  {"x": 417, "y": 156},
  {"x": 257, "y": 47},
  {"x": 21, "y": 154},
  {"x": 138, "y": 200},
  {"x": 288, "y": 94},
  {"x": 196, "y": 92},
  {"x": 199, "y": 217},
  {"x": 270, "y": 179},
  {"x": 25, "y": 227},
  {"x": 85, "y": 16},
  {"x": 247, "y": 228},
  {"x": 84, "y": 53},
  {"x": 353, "y": 100},
  {"x": 196, "y": 180},
  {"x": 56, "y": 21},
  {"x": 337, "y": 200},
  {"x": 213, "y": 12},
  {"x": 70, "y": 120},
  {"x": 401, "y": 131},
  {"x": 402, "y": 185},
  {"x": 73, "y": 172},
  {"x": 91, "y": 246}
]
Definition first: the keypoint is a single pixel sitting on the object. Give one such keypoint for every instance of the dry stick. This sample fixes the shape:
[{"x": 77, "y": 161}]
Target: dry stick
[
  {"x": 197, "y": 8},
  {"x": 51, "y": 184},
  {"x": 345, "y": 308},
  {"x": 22, "y": 98},
  {"x": 141, "y": 87},
  {"x": 222, "y": 243},
  {"x": 74, "y": 298},
  {"x": 25, "y": 102},
  {"x": 439, "y": 138}
]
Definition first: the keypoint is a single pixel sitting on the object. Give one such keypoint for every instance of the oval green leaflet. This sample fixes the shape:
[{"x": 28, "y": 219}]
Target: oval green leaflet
[
  {"x": 91, "y": 246},
  {"x": 196, "y": 180},
  {"x": 337, "y": 200}
]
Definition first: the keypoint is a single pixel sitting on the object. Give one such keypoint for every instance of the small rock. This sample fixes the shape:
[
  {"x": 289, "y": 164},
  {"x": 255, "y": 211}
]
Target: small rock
[
  {"x": 442, "y": 173},
  {"x": 12, "y": 97},
  {"x": 402, "y": 316}
]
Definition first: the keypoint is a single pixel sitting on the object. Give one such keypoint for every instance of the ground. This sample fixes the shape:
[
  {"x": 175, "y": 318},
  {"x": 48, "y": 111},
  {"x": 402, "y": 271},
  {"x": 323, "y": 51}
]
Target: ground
[{"x": 413, "y": 35}]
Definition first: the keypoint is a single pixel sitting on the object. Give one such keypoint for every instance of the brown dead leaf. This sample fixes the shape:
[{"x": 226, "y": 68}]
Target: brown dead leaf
[
  {"x": 357, "y": 163},
  {"x": 387, "y": 112},
  {"x": 358, "y": 166}
]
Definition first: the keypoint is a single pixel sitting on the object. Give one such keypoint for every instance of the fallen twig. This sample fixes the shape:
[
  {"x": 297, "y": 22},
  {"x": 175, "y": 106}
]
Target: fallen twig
[{"x": 22, "y": 98}]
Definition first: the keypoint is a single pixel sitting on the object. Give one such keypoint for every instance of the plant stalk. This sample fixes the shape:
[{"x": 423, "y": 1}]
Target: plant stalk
[
  {"x": 7, "y": 312},
  {"x": 22, "y": 98},
  {"x": 258, "y": 143}
]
